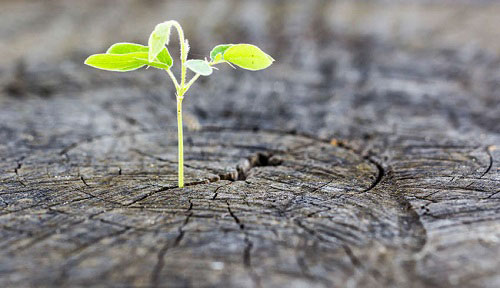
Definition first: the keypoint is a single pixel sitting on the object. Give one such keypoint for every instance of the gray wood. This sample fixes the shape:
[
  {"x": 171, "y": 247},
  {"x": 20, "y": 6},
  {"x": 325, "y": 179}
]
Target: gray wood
[{"x": 371, "y": 164}]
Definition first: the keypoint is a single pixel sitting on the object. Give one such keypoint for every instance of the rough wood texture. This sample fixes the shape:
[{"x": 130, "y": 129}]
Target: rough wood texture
[{"x": 355, "y": 161}]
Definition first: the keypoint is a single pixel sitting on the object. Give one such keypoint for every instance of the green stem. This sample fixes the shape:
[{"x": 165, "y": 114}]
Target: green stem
[
  {"x": 192, "y": 81},
  {"x": 181, "y": 88},
  {"x": 180, "y": 142}
]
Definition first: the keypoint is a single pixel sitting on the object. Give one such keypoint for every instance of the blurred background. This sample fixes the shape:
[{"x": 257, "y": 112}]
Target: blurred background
[
  {"x": 434, "y": 62},
  {"x": 54, "y": 30}
]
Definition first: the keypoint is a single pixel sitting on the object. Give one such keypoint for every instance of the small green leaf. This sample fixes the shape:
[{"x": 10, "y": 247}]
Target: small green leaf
[
  {"x": 216, "y": 55},
  {"x": 199, "y": 66},
  {"x": 143, "y": 57},
  {"x": 164, "y": 57},
  {"x": 123, "y": 62},
  {"x": 248, "y": 57},
  {"x": 158, "y": 38},
  {"x": 114, "y": 62},
  {"x": 125, "y": 48}
]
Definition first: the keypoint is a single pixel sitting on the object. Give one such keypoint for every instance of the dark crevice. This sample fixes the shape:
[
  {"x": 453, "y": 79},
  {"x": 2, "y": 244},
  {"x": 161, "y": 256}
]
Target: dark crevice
[
  {"x": 381, "y": 171},
  {"x": 488, "y": 151},
  {"x": 380, "y": 174},
  {"x": 186, "y": 221},
  {"x": 236, "y": 219},
  {"x": 16, "y": 170},
  {"x": 247, "y": 251},
  {"x": 216, "y": 192},
  {"x": 491, "y": 196},
  {"x": 260, "y": 159},
  {"x": 84, "y": 182},
  {"x": 150, "y": 194},
  {"x": 243, "y": 168},
  {"x": 155, "y": 275}
]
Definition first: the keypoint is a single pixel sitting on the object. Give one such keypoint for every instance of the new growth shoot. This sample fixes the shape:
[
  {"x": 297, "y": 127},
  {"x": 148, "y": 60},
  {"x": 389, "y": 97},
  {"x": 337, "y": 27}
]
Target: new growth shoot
[{"x": 124, "y": 57}]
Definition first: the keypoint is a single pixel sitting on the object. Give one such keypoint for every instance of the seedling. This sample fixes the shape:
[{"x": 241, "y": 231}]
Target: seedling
[{"x": 124, "y": 57}]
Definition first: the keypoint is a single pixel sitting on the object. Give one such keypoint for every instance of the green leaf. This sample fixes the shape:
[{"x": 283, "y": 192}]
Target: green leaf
[
  {"x": 158, "y": 38},
  {"x": 248, "y": 57},
  {"x": 199, "y": 66},
  {"x": 217, "y": 54},
  {"x": 114, "y": 62},
  {"x": 123, "y": 62},
  {"x": 125, "y": 48},
  {"x": 164, "y": 57},
  {"x": 143, "y": 57}
]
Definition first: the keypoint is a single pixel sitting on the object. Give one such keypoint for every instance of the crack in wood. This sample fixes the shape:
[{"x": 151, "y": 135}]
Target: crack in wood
[
  {"x": 160, "y": 263},
  {"x": 490, "y": 164},
  {"x": 380, "y": 175},
  {"x": 75, "y": 256},
  {"x": 491, "y": 196},
  {"x": 84, "y": 182},
  {"x": 216, "y": 192},
  {"x": 247, "y": 250}
]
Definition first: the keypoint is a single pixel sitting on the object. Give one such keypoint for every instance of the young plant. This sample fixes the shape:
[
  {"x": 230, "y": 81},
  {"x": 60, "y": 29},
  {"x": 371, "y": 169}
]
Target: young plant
[{"x": 123, "y": 57}]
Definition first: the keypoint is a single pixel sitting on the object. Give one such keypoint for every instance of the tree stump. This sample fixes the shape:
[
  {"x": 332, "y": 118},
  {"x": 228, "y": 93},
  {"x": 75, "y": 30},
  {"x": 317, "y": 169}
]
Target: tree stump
[{"x": 372, "y": 165}]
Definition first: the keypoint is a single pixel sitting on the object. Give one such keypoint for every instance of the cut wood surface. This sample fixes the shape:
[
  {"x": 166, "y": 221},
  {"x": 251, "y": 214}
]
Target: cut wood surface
[{"x": 359, "y": 159}]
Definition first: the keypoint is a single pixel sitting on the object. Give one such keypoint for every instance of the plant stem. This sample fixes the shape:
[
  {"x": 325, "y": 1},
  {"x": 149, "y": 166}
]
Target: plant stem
[
  {"x": 181, "y": 88},
  {"x": 195, "y": 77},
  {"x": 180, "y": 142}
]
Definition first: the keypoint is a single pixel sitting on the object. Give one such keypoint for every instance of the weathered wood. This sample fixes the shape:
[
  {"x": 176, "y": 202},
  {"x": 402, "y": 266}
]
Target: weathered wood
[{"x": 371, "y": 164}]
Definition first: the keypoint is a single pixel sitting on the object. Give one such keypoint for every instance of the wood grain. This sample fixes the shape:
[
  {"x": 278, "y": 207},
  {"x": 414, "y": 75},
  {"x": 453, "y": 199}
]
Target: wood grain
[{"x": 357, "y": 160}]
